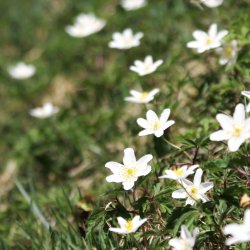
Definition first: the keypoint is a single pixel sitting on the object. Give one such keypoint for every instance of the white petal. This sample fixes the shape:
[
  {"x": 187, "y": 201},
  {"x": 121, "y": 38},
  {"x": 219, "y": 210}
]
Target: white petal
[
  {"x": 225, "y": 121},
  {"x": 239, "y": 113},
  {"x": 219, "y": 135},
  {"x": 193, "y": 44},
  {"x": 168, "y": 124},
  {"x": 143, "y": 161},
  {"x": 179, "y": 194},
  {"x": 199, "y": 35},
  {"x": 151, "y": 116},
  {"x": 164, "y": 115},
  {"x": 246, "y": 93},
  {"x": 114, "y": 178},
  {"x": 146, "y": 132},
  {"x": 117, "y": 230},
  {"x": 197, "y": 177},
  {"x": 206, "y": 186},
  {"x": 234, "y": 143},
  {"x": 222, "y": 34},
  {"x": 159, "y": 132},
  {"x": 212, "y": 30},
  {"x": 128, "y": 185},
  {"x": 129, "y": 157},
  {"x": 121, "y": 221},
  {"x": 115, "y": 167},
  {"x": 185, "y": 234},
  {"x": 143, "y": 123}
]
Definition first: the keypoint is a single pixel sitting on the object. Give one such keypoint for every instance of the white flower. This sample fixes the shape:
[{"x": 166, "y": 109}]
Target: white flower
[
  {"x": 212, "y": 3},
  {"x": 141, "y": 97},
  {"x": 45, "y": 111},
  {"x": 128, "y": 226},
  {"x": 153, "y": 124},
  {"x": 145, "y": 67},
  {"x": 240, "y": 232},
  {"x": 206, "y": 41},
  {"x": 179, "y": 173},
  {"x": 85, "y": 25},
  {"x": 22, "y": 71},
  {"x": 186, "y": 241},
  {"x": 193, "y": 191},
  {"x": 247, "y": 94},
  {"x": 228, "y": 53},
  {"x": 130, "y": 170},
  {"x": 133, "y": 4},
  {"x": 125, "y": 40},
  {"x": 236, "y": 129}
]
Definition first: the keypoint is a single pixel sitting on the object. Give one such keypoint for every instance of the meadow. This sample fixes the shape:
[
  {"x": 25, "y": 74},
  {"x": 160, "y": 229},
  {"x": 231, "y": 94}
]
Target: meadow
[{"x": 53, "y": 188}]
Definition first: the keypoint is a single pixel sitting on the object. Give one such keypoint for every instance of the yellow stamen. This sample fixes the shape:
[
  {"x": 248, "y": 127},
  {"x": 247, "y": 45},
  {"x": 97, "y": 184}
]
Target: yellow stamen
[
  {"x": 193, "y": 192},
  {"x": 144, "y": 96},
  {"x": 156, "y": 125},
  {"x": 179, "y": 172},
  {"x": 129, "y": 225}
]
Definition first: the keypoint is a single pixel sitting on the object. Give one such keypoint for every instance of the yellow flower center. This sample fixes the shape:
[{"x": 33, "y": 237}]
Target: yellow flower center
[
  {"x": 228, "y": 50},
  {"x": 156, "y": 125},
  {"x": 178, "y": 172},
  {"x": 144, "y": 96},
  {"x": 129, "y": 225},
  {"x": 129, "y": 172},
  {"x": 237, "y": 131},
  {"x": 185, "y": 244},
  {"x": 193, "y": 192},
  {"x": 209, "y": 41}
]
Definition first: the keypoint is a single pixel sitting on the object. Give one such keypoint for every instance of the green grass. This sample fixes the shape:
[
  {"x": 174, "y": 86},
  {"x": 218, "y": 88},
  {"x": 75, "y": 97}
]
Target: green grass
[{"x": 60, "y": 161}]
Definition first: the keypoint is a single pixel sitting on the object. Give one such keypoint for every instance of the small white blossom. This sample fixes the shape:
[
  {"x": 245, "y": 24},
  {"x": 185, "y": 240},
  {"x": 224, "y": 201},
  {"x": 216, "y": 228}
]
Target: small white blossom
[
  {"x": 246, "y": 94},
  {"x": 85, "y": 25},
  {"x": 179, "y": 173},
  {"x": 236, "y": 129},
  {"x": 145, "y": 67},
  {"x": 240, "y": 232},
  {"x": 133, "y": 4},
  {"x": 206, "y": 41},
  {"x": 193, "y": 191},
  {"x": 186, "y": 241},
  {"x": 45, "y": 111},
  {"x": 153, "y": 124},
  {"x": 141, "y": 97},
  {"x": 128, "y": 226},
  {"x": 125, "y": 40},
  {"x": 22, "y": 71},
  {"x": 212, "y": 3},
  {"x": 228, "y": 53},
  {"x": 130, "y": 170}
]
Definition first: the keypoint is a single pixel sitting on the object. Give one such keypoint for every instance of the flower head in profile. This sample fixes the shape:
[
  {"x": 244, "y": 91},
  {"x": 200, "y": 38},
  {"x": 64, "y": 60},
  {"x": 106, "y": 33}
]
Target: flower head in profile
[
  {"x": 179, "y": 173},
  {"x": 212, "y": 3},
  {"x": 193, "y": 191},
  {"x": 21, "y": 71},
  {"x": 128, "y": 226},
  {"x": 154, "y": 124},
  {"x": 133, "y": 4},
  {"x": 186, "y": 240},
  {"x": 228, "y": 53},
  {"x": 141, "y": 97},
  {"x": 125, "y": 40},
  {"x": 246, "y": 94},
  {"x": 45, "y": 111},
  {"x": 206, "y": 41},
  {"x": 128, "y": 172},
  {"x": 235, "y": 130},
  {"x": 85, "y": 25},
  {"x": 240, "y": 232},
  {"x": 145, "y": 67}
]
